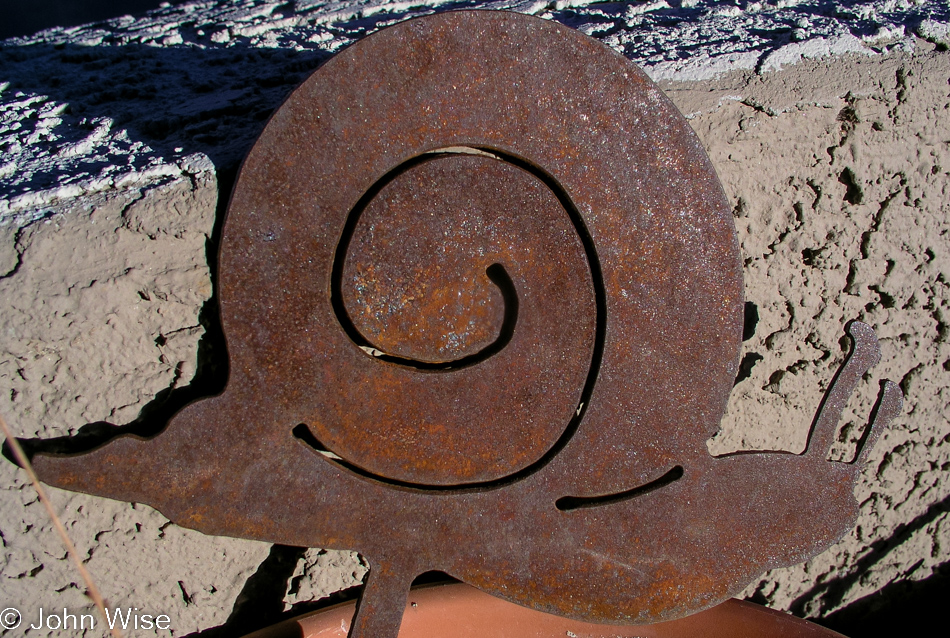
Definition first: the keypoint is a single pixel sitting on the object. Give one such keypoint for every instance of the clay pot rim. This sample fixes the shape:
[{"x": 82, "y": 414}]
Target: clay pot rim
[{"x": 457, "y": 610}]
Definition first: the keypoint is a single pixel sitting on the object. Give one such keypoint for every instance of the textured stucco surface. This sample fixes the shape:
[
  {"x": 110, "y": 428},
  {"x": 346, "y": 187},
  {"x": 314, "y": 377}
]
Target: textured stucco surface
[{"x": 828, "y": 126}]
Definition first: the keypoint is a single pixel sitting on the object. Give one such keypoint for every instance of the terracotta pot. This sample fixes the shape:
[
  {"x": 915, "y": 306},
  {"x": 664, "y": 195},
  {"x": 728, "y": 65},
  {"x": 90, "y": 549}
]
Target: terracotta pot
[{"x": 461, "y": 611}]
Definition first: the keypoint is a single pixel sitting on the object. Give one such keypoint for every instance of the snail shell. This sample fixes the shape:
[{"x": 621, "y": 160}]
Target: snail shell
[{"x": 356, "y": 257}]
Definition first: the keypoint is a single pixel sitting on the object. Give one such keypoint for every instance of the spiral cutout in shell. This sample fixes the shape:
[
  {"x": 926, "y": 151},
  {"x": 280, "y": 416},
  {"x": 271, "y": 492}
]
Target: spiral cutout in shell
[{"x": 482, "y": 297}]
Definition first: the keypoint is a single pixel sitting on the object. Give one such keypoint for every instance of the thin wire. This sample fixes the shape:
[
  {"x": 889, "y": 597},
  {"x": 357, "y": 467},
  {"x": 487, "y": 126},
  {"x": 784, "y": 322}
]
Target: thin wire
[{"x": 91, "y": 588}]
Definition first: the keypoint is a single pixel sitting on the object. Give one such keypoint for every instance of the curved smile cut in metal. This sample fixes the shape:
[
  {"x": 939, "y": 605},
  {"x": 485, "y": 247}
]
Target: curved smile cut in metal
[{"x": 482, "y": 295}]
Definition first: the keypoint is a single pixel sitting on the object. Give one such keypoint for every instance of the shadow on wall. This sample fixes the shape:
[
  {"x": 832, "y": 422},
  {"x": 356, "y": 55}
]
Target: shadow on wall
[
  {"x": 213, "y": 101},
  {"x": 175, "y": 99},
  {"x": 903, "y": 608},
  {"x": 26, "y": 18}
]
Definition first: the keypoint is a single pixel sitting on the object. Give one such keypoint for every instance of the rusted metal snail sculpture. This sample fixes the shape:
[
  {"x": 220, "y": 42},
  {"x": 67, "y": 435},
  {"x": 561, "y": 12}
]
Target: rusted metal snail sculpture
[{"x": 482, "y": 296}]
